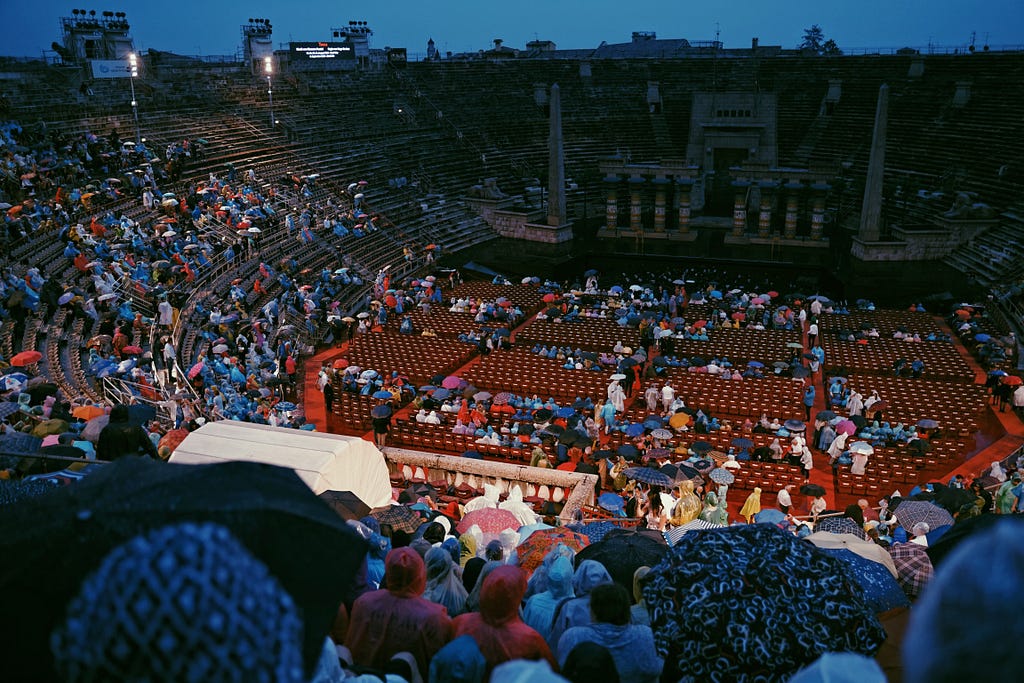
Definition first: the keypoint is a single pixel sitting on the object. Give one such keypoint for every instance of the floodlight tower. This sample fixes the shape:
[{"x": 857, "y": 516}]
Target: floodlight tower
[
  {"x": 268, "y": 69},
  {"x": 133, "y": 71}
]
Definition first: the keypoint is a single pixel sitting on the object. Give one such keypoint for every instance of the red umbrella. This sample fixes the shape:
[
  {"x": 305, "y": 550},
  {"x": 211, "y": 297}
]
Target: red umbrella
[
  {"x": 549, "y": 297},
  {"x": 700, "y": 323},
  {"x": 846, "y": 427},
  {"x": 773, "y": 294},
  {"x": 25, "y": 358},
  {"x": 132, "y": 350},
  {"x": 340, "y": 364},
  {"x": 1012, "y": 380},
  {"x": 738, "y": 315},
  {"x": 490, "y": 521},
  {"x": 531, "y": 552},
  {"x": 391, "y": 301},
  {"x": 195, "y": 370}
]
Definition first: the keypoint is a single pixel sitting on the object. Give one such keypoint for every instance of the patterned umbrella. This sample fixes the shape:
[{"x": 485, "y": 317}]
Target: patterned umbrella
[
  {"x": 531, "y": 551},
  {"x": 596, "y": 531},
  {"x": 676, "y": 533},
  {"x": 910, "y": 512},
  {"x": 913, "y": 567},
  {"x": 879, "y": 588},
  {"x": 399, "y": 517},
  {"x": 502, "y": 398},
  {"x": 662, "y": 434},
  {"x": 490, "y": 521},
  {"x": 718, "y": 592},
  {"x": 720, "y": 475},
  {"x": 840, "y": 525},
  {"x": 647, "y": 476}
]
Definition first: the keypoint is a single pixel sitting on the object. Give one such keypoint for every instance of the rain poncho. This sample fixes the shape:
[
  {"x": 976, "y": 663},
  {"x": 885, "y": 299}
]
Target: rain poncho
[
  {"x": 576, "y": 612},
  {"x": 488, "y": 500},
  {"x": 497, "y": 629},
  {"x": 468, "y": 544},
  {"x": 523, "y": 512},
  {"x": 460, "y": 661},
  {"x": 631, "y": 646},
  {"x": 444, "y": 586},
  {"x": 380, "y": 546},
  {"x": 752, "y": 505},
  {"x": 398, "y": 619},
  {"x": 687, "y": 507},
  {"x": 540, "y": 608},
  {"x": 713, "y": 512}
]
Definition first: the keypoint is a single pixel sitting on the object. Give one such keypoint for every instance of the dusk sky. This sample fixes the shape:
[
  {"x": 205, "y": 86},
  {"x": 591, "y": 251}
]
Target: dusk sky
[{"x": 193, "y": 26}]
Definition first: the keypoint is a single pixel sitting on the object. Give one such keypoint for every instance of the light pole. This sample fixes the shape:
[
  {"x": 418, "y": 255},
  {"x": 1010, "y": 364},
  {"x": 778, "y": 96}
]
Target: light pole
[
  {"x": 268, "y": 68},
  {"x": 133, "y": 71}
]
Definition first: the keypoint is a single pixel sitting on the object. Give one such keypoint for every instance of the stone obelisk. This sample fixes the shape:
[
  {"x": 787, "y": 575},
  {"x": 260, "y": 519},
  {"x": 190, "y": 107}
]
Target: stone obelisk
[
  {"x": 871, "y": 210},
  {"x": 556, "y": 162}
]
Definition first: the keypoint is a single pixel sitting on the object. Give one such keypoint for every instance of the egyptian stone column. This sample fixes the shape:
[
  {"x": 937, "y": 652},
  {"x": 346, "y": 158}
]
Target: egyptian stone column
[
  {"x": 683, "y": 187},
  {"x": 818, "y": 210},
  {"x": 871, "y": 208},
  {"x": 611, "y": 211},
  {"x": 635, "y": 207},
  {"x": 659, "y": 203},
  {"x": 739, "y": 208},
  {"x": 792, "y": 207}
]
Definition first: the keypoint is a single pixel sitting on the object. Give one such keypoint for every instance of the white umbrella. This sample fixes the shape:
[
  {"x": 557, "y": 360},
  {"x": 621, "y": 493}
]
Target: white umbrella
[
  {"x": 254, "y": 230},
  {"x": 169, "y": 233},
  {"x": 862, "y": 447}
]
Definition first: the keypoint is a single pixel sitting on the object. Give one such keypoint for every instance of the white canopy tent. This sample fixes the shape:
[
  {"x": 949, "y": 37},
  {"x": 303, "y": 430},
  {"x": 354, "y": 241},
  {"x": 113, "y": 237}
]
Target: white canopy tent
[{"x": 326, "y": 462}]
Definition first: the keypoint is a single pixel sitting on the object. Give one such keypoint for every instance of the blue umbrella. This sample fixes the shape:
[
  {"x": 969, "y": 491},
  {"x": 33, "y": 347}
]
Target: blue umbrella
[
  {"x": 795, "y": 425},
  {"x": 427, "y": 387},
  {"x": 769, "y": 516},
  {"x": 628, "y": 451},
  {"x": 982, "y": 337},
  {"x": 654, "y": 424},
  {"x": 715, "y": 294},
  {"x": 596, "y": 531},
  {"x": 615, "y": 290},
  {"x": 634, "y": 430},
  {"x": 755, "y": 364},
  {"x": 565, "y": 412},
  {"x": 879, "y": 589},
  {"x": 442, "y": 394},
  {"x": 285, "y": 406},
  {"x": 611, "y": 502},
  {"x": 742, "y": 442},
  {"x": 382, "y": 394}
]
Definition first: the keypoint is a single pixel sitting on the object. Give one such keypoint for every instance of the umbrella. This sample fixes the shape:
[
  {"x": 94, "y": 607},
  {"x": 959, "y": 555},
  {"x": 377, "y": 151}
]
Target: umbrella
[
  {"x": 611, "y": 502},
  {"x": 800, "y": 372},
  {"x": 720, "y": 475},
  {"x": 1011, "y": 380},
  {"x": 846, "y": 427},
  {"x": 927, "y": 424},
  {"x": 415, "y": 492},
  {"x": 634, "y": 430},
  {"x": 862, "y": 447},
  {"x": 676, "y": 533},
  {"x": 919, "y": 446},
  {"x": 502, "y": 398},
  {"x": 679, "y": 473},
  {"x": 701, "y": 447},
  {"x": 647, "y": 475},
  {"x": 490, "y": 521},
  {"x": 481, "y": 395},
  {"x": 911, "y": 512},
  {"x": 381, "y": 411},
  {"x": 284, "y": 406},
  {"x": 542, "y": 414},
  {"x": 662, "y": 434},
  {"x": 770, "y": 516},
  {"x": 399, "y": 517},
  {"x": 794, "y": 345},
  {"x": 383, "y": 394},
  {"x": 678, "y": 420},
  {"x": 628, "y": 451},
  {"x": 92, "y": 429},
  {"x": 532, "y": 550},
  {"x": 25, "y": 358},
  {"x": 50, "y": 543},
  {"x": 451, "y": 382},
  {"x": 8, "y": 408},
  {"x": 172, "y": 439},
  {"x": 346, "y": 504},
  {"x": 982, "y": 338},
  {"x": 742, "y": 442},
  {"x": 825, "y": 415},
  {"x": 87, "y": 412},
  {"x": 840, "y": 525},
  {"x": 623, "y": 552},
  {"x": 132, "y": 350},
  {"x": 617, "y": 377},
  {"x": 877, "y": 585},
  {"x": 913, "y": 564},
  {"x": 812, "y": 490},
  {"x": 794, "y": 425},
  {"x": 751, "y": 581}
]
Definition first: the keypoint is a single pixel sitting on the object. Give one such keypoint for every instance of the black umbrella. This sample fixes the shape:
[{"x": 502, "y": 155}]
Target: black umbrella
[
  {"x": 542, "y": 414},
  {"x": 719, "y": 590},
  {"x": 701, "y": 447},
  {"x": 346, "y": 504},
  {"x": 622, "y": 553},
  {"x": 141, "y": 413},
  {"x": 417, "y": 491},
  {"x": 965, "y": 529},
  {"x": 812, "y": 490},
  {"x": 858, "y": 420},
  {"x": 51, "y": 542},
  {"x": 919, "y": 446}
]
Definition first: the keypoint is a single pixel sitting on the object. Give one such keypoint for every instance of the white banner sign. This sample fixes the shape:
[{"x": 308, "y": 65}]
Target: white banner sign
[{"x": 109, "y": 68}]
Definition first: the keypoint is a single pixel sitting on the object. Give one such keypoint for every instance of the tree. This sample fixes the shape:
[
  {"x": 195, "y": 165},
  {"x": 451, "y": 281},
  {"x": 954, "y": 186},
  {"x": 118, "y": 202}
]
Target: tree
[{"x": 814, "y": 42}]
